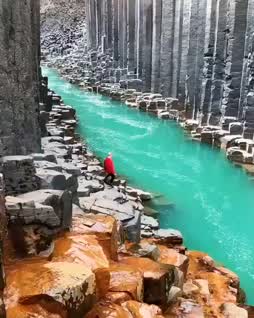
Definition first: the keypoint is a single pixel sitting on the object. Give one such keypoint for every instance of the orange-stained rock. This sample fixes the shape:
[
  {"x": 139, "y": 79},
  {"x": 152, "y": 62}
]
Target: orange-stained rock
[
  {"x": 59, "y": 286},
  {"x": 129, "y": 309},
  {"x": 84, "y": 249},
  {"x": 187, "y": 309},
  {"x": 173, "y": 257},
  {"x": 120, "y": 278},
  {"x": 158, "y": 279},
  {"x": 220, "y": 283},
  {"x": 108, "y": 310},
  {"x": 106, "y": 228},
  {"x": 141, "y": 310},
  {"x": 117, "y": 297},
  {"x": 32, "y": 311},
  {"x": 142, "y": 249}
]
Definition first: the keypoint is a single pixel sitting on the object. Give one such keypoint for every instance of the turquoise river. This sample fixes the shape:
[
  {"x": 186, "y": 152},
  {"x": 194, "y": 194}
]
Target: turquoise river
[{"x": 213, "y": 200}]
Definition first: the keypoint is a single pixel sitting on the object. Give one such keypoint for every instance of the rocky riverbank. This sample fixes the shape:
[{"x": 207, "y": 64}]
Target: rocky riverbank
[
  {"x": 95, "y": 65},
  {"x": 78, "y": 248}
]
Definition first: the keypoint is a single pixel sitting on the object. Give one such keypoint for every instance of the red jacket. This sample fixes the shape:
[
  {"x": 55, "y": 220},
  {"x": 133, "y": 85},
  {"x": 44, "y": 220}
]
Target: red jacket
[{"x": 109, "y": 166}]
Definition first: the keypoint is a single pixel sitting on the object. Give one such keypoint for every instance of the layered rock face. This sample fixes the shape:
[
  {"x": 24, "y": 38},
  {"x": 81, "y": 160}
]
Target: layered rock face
[
  {"x": 19, "y": 76},
  {"x": 198, "y": 51}
]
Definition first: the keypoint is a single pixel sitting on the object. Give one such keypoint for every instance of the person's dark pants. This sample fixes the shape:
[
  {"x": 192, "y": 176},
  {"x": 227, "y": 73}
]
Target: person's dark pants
[{"x": 109, "y": 179}]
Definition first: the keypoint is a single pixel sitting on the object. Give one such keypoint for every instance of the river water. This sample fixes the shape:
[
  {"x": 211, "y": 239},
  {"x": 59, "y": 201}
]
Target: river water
[{"x": 213, "y": 200}]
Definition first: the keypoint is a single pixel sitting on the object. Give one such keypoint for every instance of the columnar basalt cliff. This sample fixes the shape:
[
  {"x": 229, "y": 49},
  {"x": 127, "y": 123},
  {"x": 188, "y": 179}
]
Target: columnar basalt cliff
[
  {"x": 198, "y": 51},
  {"x": 19, "y": 76},
  {"x": 70, "y": 245}
]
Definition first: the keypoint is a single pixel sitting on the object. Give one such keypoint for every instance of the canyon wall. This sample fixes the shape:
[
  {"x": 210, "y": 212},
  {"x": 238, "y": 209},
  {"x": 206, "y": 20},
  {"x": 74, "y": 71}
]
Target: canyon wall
[
  {"x": 198, "y": 51},
  {"x": 19, "y": 76}
]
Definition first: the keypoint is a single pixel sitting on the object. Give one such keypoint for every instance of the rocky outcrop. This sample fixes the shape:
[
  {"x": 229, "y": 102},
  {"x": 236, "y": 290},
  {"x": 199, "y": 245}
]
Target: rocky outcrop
[{"x": 19, "y": 77}]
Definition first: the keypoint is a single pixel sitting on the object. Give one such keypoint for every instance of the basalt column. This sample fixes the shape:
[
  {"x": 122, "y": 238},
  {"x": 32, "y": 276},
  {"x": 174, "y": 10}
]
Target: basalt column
[
  {"x": 131, "y": 38},
  {"x": 19, "y": 67},
  {"x": 236, "y": 28},
  {"x": 115, "y": 32},
  {"x": 156, "y": 46},
  {"x": 166, "y": 48},
  {"x": 247, "y": 95},
  {"x": 147, "y": 44}
]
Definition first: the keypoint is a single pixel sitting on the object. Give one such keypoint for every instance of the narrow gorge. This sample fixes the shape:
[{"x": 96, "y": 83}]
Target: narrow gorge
[{"x": 166, "y": 85}]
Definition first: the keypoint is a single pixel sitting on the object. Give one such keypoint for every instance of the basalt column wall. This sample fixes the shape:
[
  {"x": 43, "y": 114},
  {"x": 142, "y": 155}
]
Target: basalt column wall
[
  {"x": 200, "y": 51},
  {"x": 19, "y": 76}
]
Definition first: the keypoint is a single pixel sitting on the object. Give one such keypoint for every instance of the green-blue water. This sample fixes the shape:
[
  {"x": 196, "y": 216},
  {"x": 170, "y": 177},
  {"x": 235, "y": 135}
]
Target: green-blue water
[{"x": 214, "y": 201}]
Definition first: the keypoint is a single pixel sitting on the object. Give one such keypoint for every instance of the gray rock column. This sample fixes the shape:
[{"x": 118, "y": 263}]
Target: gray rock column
[
  {"x": 115, "y": 32},
  {"x": 156, "y": 46},
  {"x": 236, "y": 28},
  {"x": 140, "y": 37},
  {"x": 211, "y": 18},
  {"x": 196, "y": 53},
  {"x": 131, "y": 36},
  {"x": 121, "y": 29},
  {"x": 19, "y": 86},
  {"x": 219, "y": 63},
  {"x": 148, "y": 39}
]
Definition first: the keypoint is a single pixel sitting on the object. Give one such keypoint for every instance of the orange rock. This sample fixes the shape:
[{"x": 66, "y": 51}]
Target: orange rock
[
  {"x": 186, "y": 309},
  {"x": 158, "y": 279},
  {"x": 82, "y": 249},
  {"x": 142, "y": 249},
  {"x": 219, "y": 281},
  {"x": 108, "y": 310},
  {"x": 117, "y": 297},
  {"x": 172, "y": 257},
  {"x": 32, "y": 311},
  {"x": 129, "y": 309},
  {"x": 141, "y": 310},
  {"x": 58, "y": 286},
  {"x": 120, "y": 278},
  {"x": 106, "y": 228}
]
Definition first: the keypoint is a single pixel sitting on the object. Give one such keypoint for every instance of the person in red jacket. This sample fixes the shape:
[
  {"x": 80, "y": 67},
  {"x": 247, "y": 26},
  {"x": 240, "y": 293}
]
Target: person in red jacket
[{"x": 110, "y": 169}]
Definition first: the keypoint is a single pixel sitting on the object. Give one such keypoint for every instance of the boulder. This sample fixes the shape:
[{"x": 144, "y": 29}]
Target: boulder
[
  {"x": 47, "y": 165},
  {"x": 158, "y": 279},
  {"x": 51, "y": 179},
  {"x": 238, "y": 155},
  {"x": 120, "y": 278},
  {"x": 112, "y": 202},
  {"x": 27, "y": 211},
  {"x": 72, "y": 169},
  {"x": 190, "y": 289},
  {"x": 60, "y": 201},
  {"x": 129, "y": 309},
  {"x": 34, "y": 311},
  {"x": 84, "y": 249},
  {"x": 105, "y": 227},
  {"x": 149, "y": 222},
  {"x": 59, "y": 285},
  {"x": 173, "y": 257},
  {"x": 187, "y": 309},
  {"x": 232, "y": 311},
  {"x": 236, "y": 128},
  {"x": 168, "y": 237},
  {"x": 88, "y": 186},
  {"x": 43, "y": 157},
  {"x": 144, "y": 249},
  {"x": 132, "y": 228},
  {"x": 163, "y": 115}
]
